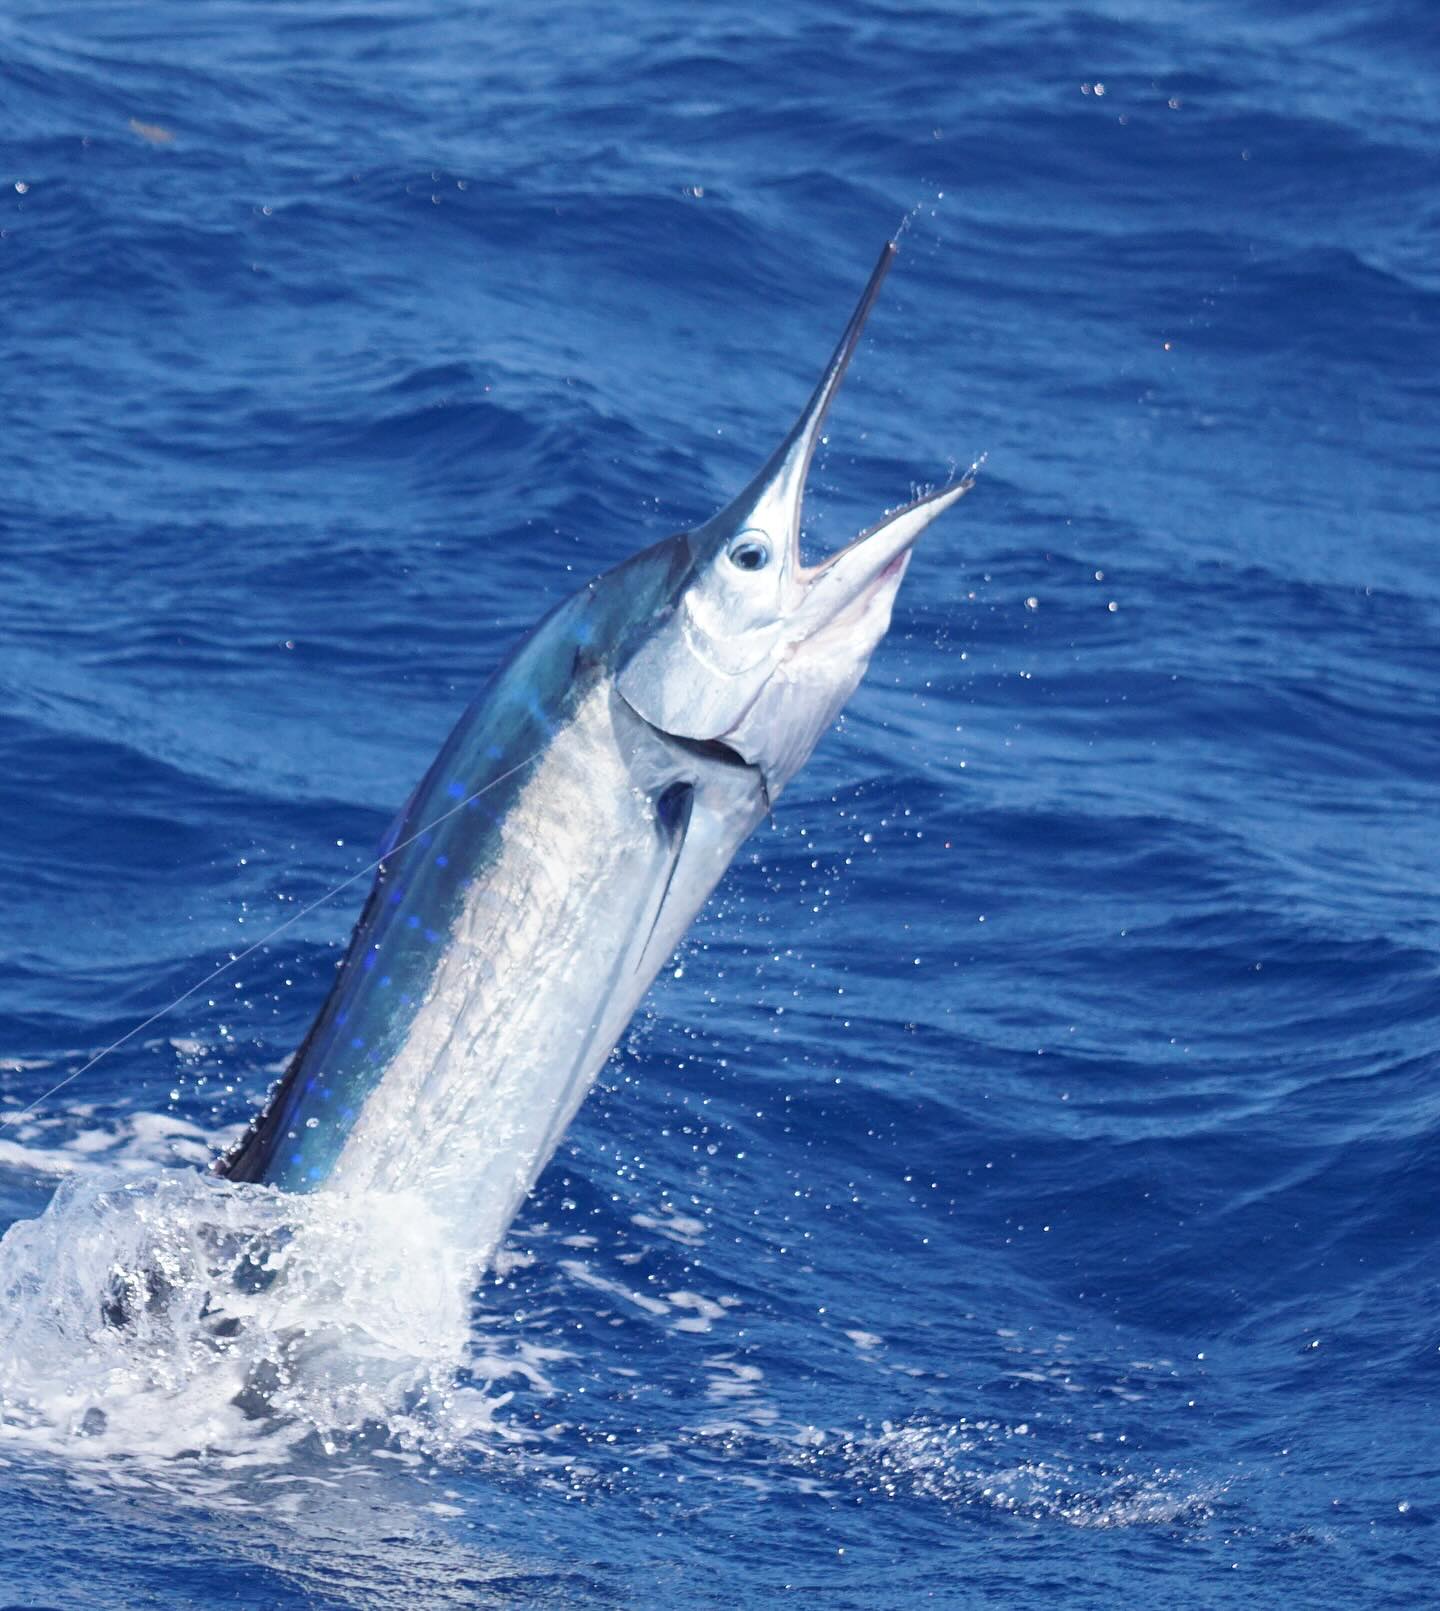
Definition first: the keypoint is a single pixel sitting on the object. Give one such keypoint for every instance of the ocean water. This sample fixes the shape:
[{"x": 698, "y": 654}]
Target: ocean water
[{"x": 1021, "y": 1188}]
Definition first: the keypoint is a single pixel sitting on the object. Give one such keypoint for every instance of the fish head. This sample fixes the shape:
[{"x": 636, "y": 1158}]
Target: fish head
[{"x": 753, "y": 649}]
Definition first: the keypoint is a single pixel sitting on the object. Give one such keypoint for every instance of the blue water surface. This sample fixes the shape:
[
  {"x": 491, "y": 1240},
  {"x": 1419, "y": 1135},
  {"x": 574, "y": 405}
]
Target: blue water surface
[{"x": 1023, "y": 1189}]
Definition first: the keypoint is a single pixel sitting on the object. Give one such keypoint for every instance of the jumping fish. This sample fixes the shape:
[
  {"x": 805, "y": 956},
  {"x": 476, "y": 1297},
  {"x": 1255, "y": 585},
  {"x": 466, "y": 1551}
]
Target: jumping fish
[{"x": 569, "y": 831}]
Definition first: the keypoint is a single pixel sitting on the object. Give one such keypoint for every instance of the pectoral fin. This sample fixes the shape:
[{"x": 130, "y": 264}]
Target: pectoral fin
[{"x": 673, "y": 806}]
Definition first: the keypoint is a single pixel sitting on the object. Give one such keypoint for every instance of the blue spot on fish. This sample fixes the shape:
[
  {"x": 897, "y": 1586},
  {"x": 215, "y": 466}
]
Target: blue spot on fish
[
  {"x": 442, "y": 861},
  {"x": 455, "y": 790},
  {"x": 412, "y": 921}
]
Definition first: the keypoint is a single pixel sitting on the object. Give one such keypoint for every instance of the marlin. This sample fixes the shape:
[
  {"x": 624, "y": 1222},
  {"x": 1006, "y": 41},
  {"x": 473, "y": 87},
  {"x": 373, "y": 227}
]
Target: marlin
[{"x": 567, "y": 834}]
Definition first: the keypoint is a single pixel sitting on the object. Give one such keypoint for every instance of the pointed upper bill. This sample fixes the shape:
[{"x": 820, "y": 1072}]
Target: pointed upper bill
[{"x": 754, "y": 649}]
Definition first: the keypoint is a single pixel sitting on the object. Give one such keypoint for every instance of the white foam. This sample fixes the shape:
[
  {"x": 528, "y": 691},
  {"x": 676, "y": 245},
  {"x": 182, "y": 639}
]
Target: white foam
[
  {"x": 166, "y": 1313},
  {"x": 135, "y": 1142}
]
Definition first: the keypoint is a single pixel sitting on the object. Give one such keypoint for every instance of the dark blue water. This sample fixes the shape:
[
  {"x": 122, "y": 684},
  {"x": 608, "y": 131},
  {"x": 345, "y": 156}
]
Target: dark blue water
[{"x": 1024, "y": 1188}]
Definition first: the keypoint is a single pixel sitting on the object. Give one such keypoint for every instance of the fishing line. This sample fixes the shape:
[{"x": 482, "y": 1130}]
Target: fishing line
[{"x": 265, "y": 940}]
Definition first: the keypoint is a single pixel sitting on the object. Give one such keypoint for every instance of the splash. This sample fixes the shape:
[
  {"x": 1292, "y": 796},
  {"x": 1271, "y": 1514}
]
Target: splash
[
  {"x": 172, "y": 1314},
  {"x": 988, "y": 1465}
]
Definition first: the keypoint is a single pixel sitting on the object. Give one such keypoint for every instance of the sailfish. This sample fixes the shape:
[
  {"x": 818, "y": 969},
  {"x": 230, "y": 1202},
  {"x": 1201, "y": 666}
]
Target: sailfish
[{"x": 569, "y": 831}]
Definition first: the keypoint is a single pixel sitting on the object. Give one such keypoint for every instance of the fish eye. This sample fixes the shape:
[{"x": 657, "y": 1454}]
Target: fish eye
[{"x": 750, "y": 554}]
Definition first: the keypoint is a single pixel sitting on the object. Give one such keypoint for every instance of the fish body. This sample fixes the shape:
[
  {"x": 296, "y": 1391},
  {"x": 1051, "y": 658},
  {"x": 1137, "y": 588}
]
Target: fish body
[
  {"x": 567, "y": 834},
  {"x": 502, "y": 953}
]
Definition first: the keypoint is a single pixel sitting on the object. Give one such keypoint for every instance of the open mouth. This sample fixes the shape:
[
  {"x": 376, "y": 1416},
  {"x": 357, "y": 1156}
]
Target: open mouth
[
  {"x": 870, "y": 565},
  {"x": 772, "y": 502},
  {"x": 798, "y": 635}
]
